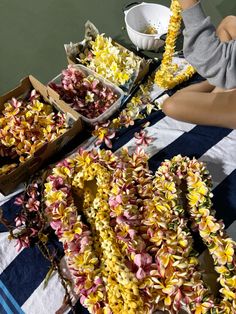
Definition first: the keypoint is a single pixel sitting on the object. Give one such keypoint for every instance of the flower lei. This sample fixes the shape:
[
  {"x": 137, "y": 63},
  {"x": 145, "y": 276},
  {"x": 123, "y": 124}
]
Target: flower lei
[
  {"x": 167, "y": 76},
  {"x": 135, "y": 252}
]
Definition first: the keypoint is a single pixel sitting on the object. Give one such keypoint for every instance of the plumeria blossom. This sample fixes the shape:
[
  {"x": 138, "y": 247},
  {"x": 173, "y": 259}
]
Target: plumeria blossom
[
  {"x": 104, "y": 134},
  {"x": 133, "y": 251},
  {"x": 141, "y": 138},
  {"x": 22, "y": 242}
]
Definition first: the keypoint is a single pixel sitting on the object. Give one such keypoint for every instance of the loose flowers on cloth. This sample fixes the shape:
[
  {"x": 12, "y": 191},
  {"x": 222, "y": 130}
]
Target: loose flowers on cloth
[{"x": 126, "y": 234}]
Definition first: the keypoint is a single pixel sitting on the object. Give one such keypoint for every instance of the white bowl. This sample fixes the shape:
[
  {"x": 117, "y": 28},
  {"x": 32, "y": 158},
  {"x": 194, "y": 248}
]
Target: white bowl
[{"x": 139, "y": 17}]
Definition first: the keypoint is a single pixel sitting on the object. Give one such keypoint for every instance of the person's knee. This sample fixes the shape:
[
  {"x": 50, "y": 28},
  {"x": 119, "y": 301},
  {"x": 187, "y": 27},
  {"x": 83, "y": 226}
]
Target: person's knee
[
  {"x": 169, "y": 106},
  {"x": 227, "y": 28}
]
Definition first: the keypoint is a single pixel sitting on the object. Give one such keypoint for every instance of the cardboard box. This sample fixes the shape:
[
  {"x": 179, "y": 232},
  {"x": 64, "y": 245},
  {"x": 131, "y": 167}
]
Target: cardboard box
[{"x": 9, "y": 181}]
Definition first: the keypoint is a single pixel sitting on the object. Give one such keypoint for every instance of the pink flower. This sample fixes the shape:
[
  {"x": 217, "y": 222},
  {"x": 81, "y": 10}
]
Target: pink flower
[
  {"x": 19, "y": 200},
  {"x": 22, "y": 242},
  {"x": 34, "y": 232},
  {"x": 57, "y": 182},
  {"x": 98, "y": 281},
  {"x": 140, "y": 274},
  {"x": 126, "y": 120},
  {"x": 83, "y": 243},
  {"x": 82, "y": 299},
  {"x": 104, "y": 135},
  {"x": 177, "y": 301},
  {"x": 142, "y": 138},
  {"x": 132, "y": 233},
  {"x": 34, "y": 95},
  {"x": 32, "y": 190},
  {"x": 115, "y": 201},
  {"x": 19, "y": 220},
  {"x": 56, "y": 225},
  {"x": 143, "y": 259},
  {"x": 32, "y": 205}
]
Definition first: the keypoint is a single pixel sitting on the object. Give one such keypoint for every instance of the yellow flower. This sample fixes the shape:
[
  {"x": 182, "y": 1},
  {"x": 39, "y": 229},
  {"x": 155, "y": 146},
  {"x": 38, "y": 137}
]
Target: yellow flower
[
  {"x": 224, "y": 255},
  {"x": 208, "y": 225},
  {"x": 202, "y": 308},
  {"x": 222, "y": 270},
  {"x": 70, "y": 234},
  {"x": 55, "y": 196},
  {"x": 63, "y": 172},
  {"x": 194, "y": 198},
  {"x": 229, "y": 294},
  {"x": 231, "y": 282}
]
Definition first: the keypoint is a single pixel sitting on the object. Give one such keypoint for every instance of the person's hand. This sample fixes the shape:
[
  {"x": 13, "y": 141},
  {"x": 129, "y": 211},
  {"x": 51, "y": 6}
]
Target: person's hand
[{"x": 186, "y": 4}]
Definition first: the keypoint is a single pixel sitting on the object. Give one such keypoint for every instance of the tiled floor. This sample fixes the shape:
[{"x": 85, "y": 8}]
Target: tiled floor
[{"x": 33, "y": 32}]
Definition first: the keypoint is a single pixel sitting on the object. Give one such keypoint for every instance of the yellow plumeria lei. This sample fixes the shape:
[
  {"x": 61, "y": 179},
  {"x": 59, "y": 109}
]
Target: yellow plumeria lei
[
  {"x": 137, "y": 256},
  {"x": 167, "y": 76}
]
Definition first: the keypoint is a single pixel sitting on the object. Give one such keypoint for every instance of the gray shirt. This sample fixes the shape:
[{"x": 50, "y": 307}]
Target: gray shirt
[{"x": 213, "y": 59}]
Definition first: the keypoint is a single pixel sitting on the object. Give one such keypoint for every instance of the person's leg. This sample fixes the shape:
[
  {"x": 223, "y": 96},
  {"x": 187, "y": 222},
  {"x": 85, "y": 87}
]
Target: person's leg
[
  {"x": 226, "y": 31},
  {"x": 204, "y": 87},
  {"x": 216, "y": 109},
  {"x": 203, "y": 103}
]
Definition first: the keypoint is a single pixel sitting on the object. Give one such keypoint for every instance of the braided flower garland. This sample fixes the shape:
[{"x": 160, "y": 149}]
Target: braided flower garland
[
  {"x": 126, "y": 233},
  {"x": 167, "y": 76}
]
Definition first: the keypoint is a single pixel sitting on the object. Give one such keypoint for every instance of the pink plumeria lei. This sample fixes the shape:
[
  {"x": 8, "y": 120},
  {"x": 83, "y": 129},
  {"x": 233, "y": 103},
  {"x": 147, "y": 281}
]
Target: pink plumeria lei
[{"x": 126, "y": 237}]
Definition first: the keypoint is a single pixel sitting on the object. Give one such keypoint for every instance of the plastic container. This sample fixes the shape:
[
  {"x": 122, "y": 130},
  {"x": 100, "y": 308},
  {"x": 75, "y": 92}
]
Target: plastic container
[
  {"x": 112, "y": 109},
  {"x": 142, "y": 15}
]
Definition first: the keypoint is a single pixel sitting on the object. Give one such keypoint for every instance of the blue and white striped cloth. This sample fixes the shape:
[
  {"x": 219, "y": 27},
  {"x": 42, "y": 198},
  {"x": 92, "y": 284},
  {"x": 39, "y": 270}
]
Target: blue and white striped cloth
[{"x": 22, "y": 274}]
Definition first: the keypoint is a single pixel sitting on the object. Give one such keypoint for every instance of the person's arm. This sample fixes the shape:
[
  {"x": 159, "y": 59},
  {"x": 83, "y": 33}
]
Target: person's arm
[
  {"x": 213, "y": 59},
  {"x": 186, "y": 4}
]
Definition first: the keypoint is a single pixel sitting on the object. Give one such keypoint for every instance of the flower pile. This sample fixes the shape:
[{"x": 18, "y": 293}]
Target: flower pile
[
  {"x": 25, "y": 125},
  {"x": 111, "y": 61},
  {"x": 126, "y": 235},
  {"x": 167, "y": 76},
  {"x": 84, "y": 93}
]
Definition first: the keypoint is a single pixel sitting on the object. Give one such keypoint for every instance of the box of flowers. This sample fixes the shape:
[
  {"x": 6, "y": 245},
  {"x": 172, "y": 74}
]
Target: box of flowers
[
  {"x": 108, "y": 58},
  {"x": 88, "y": 93},
  {"x": 34, "y": 124}
]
